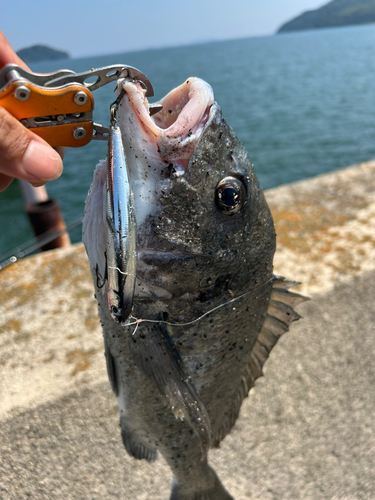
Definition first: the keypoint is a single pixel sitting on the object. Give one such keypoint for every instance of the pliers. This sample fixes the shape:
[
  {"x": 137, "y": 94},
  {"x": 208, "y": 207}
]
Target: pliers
[{"x": 59, "y": 106}]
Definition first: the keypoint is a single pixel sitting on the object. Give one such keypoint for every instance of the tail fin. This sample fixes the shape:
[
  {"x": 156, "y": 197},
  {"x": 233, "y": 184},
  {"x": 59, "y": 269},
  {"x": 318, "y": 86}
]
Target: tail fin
[{"x": 215, "y": 492}]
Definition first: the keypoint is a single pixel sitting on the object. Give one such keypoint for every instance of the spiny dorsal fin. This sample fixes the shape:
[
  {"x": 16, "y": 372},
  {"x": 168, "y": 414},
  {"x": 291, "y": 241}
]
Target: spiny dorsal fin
[
  {"x": 281, "y": 282},
  {"x": 289, "y": 298},
  {"x": 282, "y": 312},
  {"x": 280, "y": 315}
]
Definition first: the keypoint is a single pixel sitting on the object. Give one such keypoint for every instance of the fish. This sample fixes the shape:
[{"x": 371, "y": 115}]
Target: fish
[{"x": 206, "y": 307}]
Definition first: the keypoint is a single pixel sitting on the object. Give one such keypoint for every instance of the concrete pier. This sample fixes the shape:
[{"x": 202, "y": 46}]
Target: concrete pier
[{"x": 305, "y": 432}]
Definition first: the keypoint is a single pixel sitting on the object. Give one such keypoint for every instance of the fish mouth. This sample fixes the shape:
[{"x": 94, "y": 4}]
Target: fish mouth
[{"x": 173, "y": 131}]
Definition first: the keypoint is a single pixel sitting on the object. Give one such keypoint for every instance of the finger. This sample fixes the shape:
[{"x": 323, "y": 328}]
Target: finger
[
  {"x": 25, "y": 155},
  {"x": 5, "y": 180}
]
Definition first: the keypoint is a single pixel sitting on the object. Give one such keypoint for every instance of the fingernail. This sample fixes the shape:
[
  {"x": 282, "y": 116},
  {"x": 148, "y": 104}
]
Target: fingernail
[
  {"x": 41, "y": 162},
  {"x": 37, "y": 184}
]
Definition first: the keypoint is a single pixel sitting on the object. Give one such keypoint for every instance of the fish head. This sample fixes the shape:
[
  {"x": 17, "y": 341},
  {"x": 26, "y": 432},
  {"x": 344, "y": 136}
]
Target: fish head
[{"x": 204, "y": 231}]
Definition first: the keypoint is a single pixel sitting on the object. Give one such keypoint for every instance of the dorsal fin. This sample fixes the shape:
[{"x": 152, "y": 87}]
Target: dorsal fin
[{"x": 280, "y": 315}]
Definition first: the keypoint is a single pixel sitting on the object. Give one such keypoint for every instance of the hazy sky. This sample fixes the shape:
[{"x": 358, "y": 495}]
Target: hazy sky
[{"x": 96, "y": 27}]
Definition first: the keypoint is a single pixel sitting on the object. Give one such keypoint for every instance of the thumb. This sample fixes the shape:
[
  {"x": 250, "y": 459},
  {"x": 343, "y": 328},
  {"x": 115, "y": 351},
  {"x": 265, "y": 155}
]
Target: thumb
[{"x": 24, "y": 155}]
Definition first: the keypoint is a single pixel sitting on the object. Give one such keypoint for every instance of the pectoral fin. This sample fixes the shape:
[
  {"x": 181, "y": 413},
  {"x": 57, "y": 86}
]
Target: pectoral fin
[
  {"x": 155, "y": 353},
  {"x": 111, "y": 368}
]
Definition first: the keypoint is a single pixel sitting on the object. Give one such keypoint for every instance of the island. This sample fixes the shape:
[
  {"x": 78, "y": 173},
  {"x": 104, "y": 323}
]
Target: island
[
  {"x": 40, "y": 53},
  {"x": 334, "y": 13}
]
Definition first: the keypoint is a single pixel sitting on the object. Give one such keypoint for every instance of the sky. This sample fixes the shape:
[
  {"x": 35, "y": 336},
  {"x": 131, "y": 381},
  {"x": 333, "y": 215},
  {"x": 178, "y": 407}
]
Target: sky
[{"x": 95, "y": 27}]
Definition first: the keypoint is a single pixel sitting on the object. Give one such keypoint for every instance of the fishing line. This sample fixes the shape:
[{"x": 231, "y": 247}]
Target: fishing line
[
  {"x": 36, "y": 243},
  {"x": 122, "y": 272},
  {"x": 138, "y": 321}
]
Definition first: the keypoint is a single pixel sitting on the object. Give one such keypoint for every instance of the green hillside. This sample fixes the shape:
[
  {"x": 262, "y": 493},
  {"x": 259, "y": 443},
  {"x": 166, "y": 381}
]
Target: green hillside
[
  {"x": 39, "y": 53},
  {"x": 334, "y": 13}
]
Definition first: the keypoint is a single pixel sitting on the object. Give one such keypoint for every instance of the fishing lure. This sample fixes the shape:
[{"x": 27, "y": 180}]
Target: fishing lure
[{"x": 121, "y": 234}]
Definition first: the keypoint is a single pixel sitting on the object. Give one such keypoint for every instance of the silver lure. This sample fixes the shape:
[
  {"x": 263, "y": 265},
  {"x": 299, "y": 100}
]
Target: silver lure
[{"x": 121, "y": 242}]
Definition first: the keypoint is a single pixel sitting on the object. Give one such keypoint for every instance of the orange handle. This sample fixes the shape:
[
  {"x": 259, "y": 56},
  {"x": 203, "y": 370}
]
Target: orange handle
[
  {"x": 52, "y": 102},
  {"x": 63, "y": 135}
]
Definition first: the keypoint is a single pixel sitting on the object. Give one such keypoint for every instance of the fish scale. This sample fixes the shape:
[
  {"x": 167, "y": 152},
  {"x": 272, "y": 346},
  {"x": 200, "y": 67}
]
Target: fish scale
[{"x": 207, "y": 309}]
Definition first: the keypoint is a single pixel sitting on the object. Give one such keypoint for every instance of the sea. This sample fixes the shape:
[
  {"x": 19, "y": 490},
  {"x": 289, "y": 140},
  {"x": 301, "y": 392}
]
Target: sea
[{"x": 302, "y": 103}]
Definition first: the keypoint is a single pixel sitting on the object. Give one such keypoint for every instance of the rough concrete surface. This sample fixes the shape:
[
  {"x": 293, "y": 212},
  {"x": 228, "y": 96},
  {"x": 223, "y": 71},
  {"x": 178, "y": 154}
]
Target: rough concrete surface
[
  {"x": 305, "y": 432},
  {"x": 326, "y": 227}
]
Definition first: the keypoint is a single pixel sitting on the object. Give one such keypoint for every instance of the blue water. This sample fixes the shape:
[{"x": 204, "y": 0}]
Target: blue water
[{"x": 302, "y": 103}]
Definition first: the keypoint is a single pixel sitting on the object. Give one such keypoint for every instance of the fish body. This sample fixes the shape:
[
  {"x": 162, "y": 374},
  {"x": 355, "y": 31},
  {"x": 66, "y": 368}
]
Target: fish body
[{"x": 207, "y": 308}]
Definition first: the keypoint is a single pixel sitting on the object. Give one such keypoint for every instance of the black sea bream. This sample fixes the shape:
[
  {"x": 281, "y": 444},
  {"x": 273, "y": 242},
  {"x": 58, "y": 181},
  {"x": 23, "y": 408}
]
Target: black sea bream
[{"x": 207, "y": 309}]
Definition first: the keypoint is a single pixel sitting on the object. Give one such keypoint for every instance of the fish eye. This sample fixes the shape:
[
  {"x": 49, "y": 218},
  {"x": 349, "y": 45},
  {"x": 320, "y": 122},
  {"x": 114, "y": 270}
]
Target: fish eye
[{"x": 230, "y": 195}]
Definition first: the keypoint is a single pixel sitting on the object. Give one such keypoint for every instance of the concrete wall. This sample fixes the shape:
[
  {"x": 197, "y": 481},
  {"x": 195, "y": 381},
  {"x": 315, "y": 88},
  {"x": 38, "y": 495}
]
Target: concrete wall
[{"x": 306, "y": 431}]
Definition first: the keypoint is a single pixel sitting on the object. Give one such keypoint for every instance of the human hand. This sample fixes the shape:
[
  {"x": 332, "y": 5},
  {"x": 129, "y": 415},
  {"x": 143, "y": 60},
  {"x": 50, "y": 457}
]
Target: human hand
[{"x": 23, "y": 154}]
